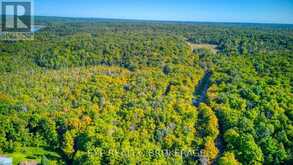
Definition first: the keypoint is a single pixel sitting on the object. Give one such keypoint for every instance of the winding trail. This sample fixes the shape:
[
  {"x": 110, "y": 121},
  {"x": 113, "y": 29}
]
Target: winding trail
[
  {"x": 220, "y": 145},
  {"x": 200, "y": 97},
  {"x": 202, "y": 89}
]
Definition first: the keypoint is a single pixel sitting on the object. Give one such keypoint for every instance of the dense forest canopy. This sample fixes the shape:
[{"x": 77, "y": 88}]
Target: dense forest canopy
[{"x": 98, "y": 91}]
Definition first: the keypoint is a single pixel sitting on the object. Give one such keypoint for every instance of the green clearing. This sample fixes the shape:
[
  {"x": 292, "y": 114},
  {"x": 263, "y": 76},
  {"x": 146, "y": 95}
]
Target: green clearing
[{"x": 33, "y": 154}]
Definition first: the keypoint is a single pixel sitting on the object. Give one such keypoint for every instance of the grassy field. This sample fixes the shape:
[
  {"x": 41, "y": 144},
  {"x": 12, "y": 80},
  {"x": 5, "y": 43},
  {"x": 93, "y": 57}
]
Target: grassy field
[{"x": 212, "y": 48}]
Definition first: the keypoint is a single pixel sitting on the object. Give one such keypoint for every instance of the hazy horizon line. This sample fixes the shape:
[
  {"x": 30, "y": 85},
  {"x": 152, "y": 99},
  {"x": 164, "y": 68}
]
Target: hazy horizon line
[{"x": 158, "y": 20}]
